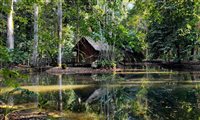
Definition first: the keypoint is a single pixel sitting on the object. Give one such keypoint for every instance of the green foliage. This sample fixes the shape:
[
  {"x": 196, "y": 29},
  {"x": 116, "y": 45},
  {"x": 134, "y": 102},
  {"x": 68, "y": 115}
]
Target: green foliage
[
  {"x": 106, "y": 64},
  {"x": 10, "y": 77},
  {"x": 14, "y": 56},
  {"x": 172, "y": 33},
  {"x": 168, "y": 29},
  {"x": 64, "y": 66},
  {"x": 4, "y": 55},
  {"x": 24, "y": 92},
  {"x": 68, "y": 43},
  {"x": 18, "y": 56}
]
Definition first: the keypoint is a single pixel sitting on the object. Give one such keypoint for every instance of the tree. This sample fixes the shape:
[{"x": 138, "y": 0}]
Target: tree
[
  {"x": 10, "y": 27},
  {"x": 171, "y": 31},
  {"x": 60, "y": 32},
  {"x": 35, "y": 46}
]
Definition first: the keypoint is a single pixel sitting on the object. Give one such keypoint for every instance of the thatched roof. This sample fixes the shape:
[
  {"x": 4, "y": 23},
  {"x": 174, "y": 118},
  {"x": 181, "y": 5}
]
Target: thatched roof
[{"x": 97, "y": 45}]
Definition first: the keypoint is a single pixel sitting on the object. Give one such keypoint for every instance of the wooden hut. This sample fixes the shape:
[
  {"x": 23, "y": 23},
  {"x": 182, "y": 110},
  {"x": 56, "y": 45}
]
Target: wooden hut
[{"x": 88, "y": 50}]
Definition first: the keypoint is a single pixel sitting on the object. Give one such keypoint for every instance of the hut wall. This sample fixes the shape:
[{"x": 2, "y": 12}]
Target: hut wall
[{"x": 85, "y": 52}]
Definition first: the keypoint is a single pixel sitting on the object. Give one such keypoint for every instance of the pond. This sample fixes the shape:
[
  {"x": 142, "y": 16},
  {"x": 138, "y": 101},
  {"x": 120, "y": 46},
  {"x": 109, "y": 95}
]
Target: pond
[{"x": 133, "y": 94}]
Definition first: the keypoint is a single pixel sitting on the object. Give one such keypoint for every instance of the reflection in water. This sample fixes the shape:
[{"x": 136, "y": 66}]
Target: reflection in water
[
  {"x": 149, "y": 95},
  {"x": 10, "y": 100},
  {"x": 35, "y": 80},
  {"x": 60, "y": 107}
]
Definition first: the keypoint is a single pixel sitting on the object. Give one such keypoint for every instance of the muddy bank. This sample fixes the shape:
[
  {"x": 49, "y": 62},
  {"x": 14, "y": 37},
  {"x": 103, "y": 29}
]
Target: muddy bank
[
  {"x": 78, "y": 70},
  {"x": 28, "y": 69},
  {"x": 24, "y": 69},
  {"x": 183, "y": 66}
]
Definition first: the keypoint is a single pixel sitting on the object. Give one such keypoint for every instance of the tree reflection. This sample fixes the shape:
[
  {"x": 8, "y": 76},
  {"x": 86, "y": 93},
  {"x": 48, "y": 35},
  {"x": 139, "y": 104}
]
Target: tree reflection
[
  {"x": 60, "y": 103},
  {"x": 147, "y": 102},
  {"x": 142, "y": 101}
]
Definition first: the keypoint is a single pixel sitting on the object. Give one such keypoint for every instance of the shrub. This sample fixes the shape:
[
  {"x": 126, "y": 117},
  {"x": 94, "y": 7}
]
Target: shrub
[
  {"x": 64, "y": 66},
  {"x": 106, "y": 64}
]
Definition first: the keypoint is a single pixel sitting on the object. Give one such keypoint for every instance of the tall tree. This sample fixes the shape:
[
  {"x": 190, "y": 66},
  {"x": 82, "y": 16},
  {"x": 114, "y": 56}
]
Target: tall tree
[
  {"x": 10, "y": 27},
  {"x": 171, "y": 32},
  {"x": 35, "y": 47},
  {"x": 60, "y": 32}
]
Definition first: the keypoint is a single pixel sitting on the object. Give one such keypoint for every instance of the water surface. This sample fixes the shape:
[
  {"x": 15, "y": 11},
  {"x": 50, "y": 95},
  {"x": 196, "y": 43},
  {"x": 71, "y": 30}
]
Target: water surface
[{"x": 136, "y": 94}]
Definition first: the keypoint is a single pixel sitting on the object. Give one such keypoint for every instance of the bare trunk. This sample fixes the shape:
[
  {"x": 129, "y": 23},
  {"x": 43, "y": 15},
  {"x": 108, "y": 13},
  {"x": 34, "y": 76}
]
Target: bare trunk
[
  {"x": 77, "y": 23},
  {"x": 10, "y": 28},
  {"x": 35, "y": 47},
  {"x": 77, "y": 28},
  {"x": 112, "y": 16},
  {"x": 193, "y": 52},
  {"x": 178, "y": 53},
  {"x": 60, "y": 33}
]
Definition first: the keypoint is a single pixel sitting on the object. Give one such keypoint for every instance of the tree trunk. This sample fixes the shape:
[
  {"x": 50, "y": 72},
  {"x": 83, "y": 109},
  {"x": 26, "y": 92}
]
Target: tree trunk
[
  {"x": 178, "y": 54},
  {"x": 35, "y": 46},
  {"x": 10, "y": 28},
  {"x": 77, "y": 28},
  {"x": 77, "y": 23},
  {"x": 193, "y": 54},
  {"x": 60, "y": 32}
]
